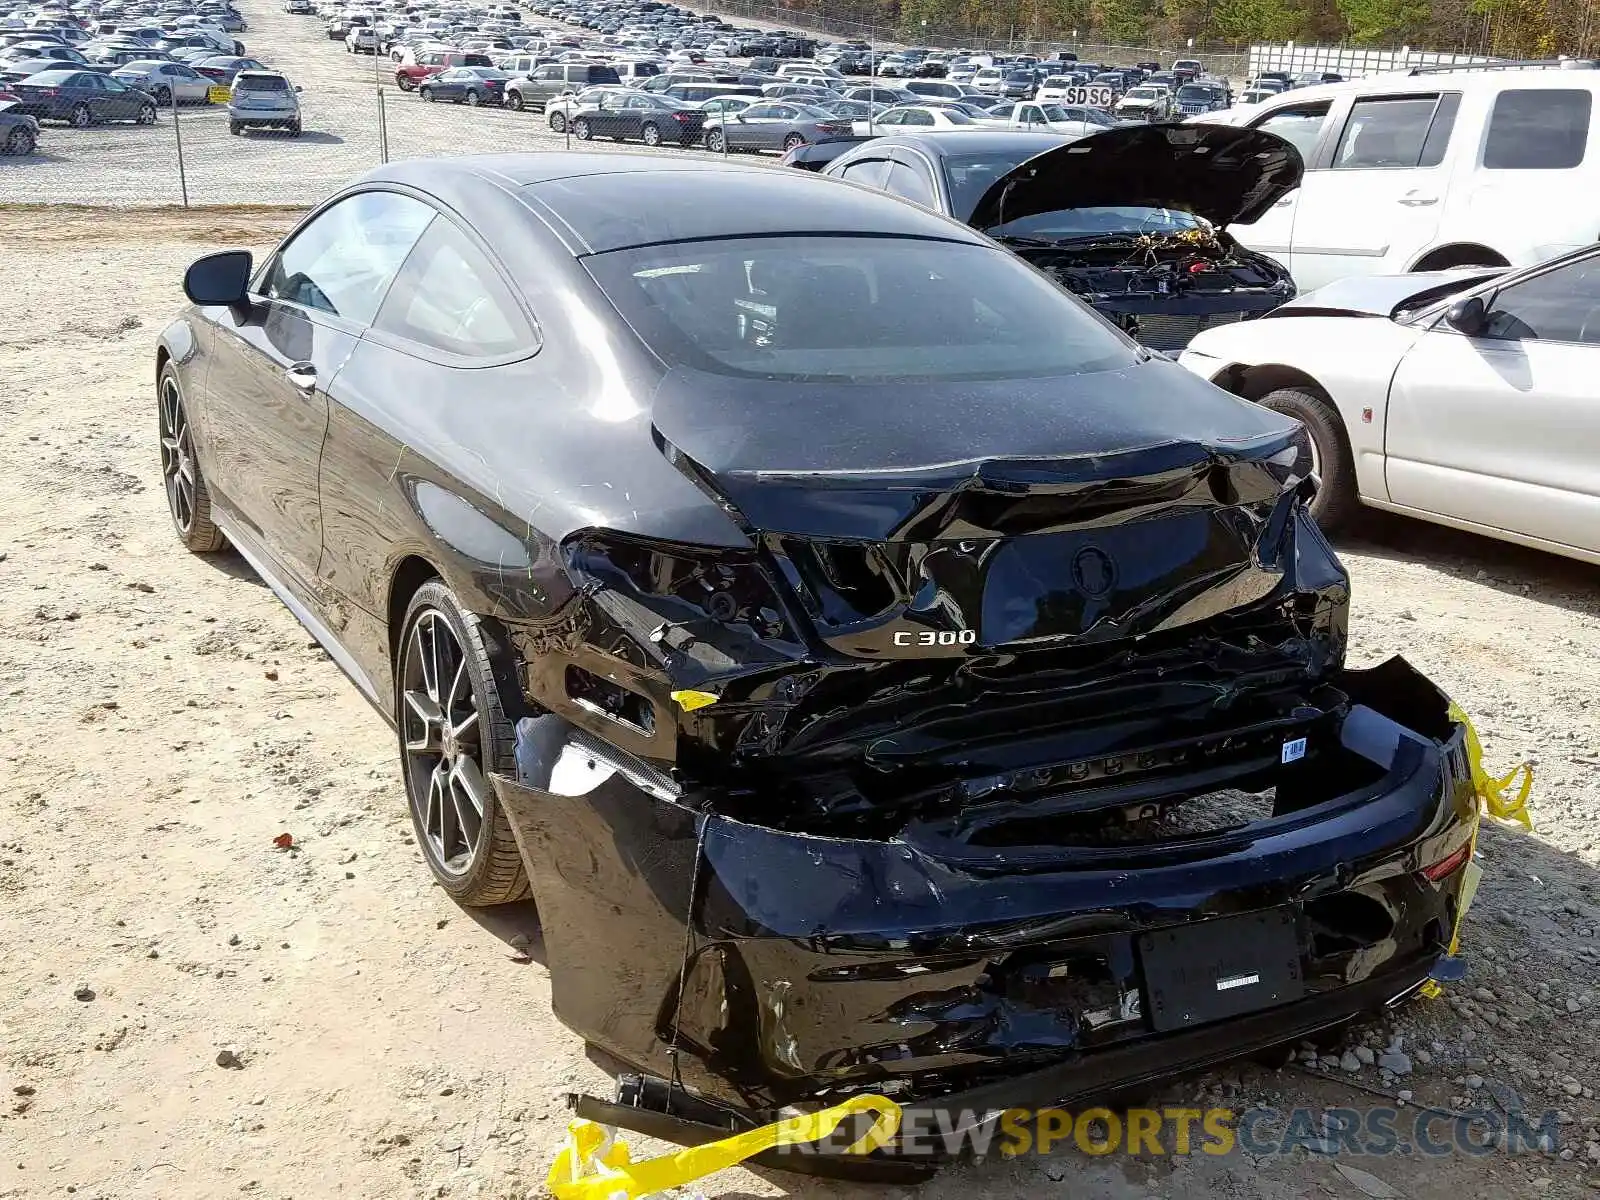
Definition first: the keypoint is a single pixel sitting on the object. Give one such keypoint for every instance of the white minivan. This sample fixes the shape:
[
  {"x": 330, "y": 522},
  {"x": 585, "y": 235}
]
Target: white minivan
[{"x": 1433, "y": 169}]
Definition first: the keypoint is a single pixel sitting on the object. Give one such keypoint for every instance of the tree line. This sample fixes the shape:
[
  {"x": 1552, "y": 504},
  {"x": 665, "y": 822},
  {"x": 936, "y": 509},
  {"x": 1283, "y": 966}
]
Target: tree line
[{"x": 1503, "y": 28}]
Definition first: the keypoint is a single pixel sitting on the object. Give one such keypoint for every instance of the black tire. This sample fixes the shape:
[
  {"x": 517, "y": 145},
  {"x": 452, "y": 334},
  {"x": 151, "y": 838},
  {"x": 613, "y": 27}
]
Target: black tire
[
  {"x": 163, "y": 95},
  {"x": 146, "y": 115},
  {"x": 793, "y": 140},
  {"x": 427, "y": 94},
  {"x": 493, "y": 872},
  {"x": 1336, "y": 500},
  {"x": 80, "y": 117},
  {"x": 234, "y": 127},
  {"x": 474, "y": 99},
  {"x": 405, "y": 83},
  {"x": 715, "y": 141},
  {"x": 581, "y": 130},
  {"x": 650, "y": 134},
  {"x": 514, "y": 101},
  {"x": 294, "y": 130},
  {"x": 558, "y": 122},
  {"x": 188, "y": 500},
  {"x": 21, "y": 142}
]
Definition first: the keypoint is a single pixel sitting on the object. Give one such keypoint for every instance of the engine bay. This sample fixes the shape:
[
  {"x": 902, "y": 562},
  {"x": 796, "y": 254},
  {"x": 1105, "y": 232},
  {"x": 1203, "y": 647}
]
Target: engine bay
[{"x": 1193, "y": 262}]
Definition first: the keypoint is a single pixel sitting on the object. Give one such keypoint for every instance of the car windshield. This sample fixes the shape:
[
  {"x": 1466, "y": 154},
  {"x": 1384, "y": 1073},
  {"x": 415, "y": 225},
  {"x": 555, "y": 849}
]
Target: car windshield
[
  {"x": 1194, "y": 92},
  {"x": 50, "y": 78},
  {"x": 1144, "y": 93},
  {"x": 853, "y": 310},
  {"x": 260, "y": 83}
]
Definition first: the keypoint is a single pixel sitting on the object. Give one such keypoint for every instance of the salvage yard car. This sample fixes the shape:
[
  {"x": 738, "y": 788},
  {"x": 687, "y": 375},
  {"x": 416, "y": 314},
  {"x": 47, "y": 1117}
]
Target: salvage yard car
[
  {"x": 1133, "y": 218},
  {"x": 1463, "y": 397},
  {"x": 82, "y": 98},
  {"x": 264, "y": 100},
  {"x": 19, "y": 133},
  {"x": 913, "y": 685}
]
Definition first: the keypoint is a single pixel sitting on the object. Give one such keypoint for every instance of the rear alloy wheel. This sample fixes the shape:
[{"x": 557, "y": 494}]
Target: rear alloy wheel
[
  {"x": 581, "y": 130},
  {"x": 558, "y": 122},
  {"x": 20, "y": 142},
  {"x": 1328, "y": 456},
  {"x": 474, "y": 99},
  {"x": 405, "y": 83},
  {"x": 163, "y": 95},
  {"x": 188, "y": 501},
  {"x": 650, "y": 135},
  {"x": 454, "y": 733},
  {"x": 793, "y": 140},
  {"x": 80, "y": 117},
  {"x": 147, "y": 114},
  {"x": 715, "y": 142}
]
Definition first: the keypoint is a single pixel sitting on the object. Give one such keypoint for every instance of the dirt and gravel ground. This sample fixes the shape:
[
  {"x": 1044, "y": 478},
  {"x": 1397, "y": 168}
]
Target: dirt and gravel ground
[{"x": 163, "y": 719}]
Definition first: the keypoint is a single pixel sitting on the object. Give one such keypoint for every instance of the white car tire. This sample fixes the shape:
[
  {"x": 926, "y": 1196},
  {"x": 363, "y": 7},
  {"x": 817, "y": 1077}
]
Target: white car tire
[{"x": 1337, "y": 500}]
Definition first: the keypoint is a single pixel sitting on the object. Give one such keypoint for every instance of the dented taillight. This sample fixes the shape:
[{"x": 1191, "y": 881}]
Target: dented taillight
[{"x": 1449, "y": 864}]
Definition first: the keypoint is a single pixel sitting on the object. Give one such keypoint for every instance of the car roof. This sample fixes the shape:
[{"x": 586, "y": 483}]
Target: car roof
[
  {"x": 1430, "y": 80},
  {"x": 937, "y": 144},
  {"x": 601, "y": 202}
]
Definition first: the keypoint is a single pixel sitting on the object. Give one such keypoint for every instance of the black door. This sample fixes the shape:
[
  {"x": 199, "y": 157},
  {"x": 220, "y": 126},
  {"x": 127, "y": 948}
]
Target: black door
[{"x": 267, "y": 389}]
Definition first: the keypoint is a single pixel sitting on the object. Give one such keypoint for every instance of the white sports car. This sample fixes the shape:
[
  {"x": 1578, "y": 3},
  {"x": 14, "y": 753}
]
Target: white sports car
[{"x": 1467, "y": 397}]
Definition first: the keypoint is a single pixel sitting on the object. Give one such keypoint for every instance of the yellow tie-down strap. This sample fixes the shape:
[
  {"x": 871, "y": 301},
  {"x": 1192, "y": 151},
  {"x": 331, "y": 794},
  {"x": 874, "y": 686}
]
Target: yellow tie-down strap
[
  {"x": 593, "y": 1165},
  {"x": 1492, "y": 799}
]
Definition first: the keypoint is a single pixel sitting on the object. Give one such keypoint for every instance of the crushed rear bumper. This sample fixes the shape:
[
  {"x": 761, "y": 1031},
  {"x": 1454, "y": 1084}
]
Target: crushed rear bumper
[{"x": 762, "y": 968}]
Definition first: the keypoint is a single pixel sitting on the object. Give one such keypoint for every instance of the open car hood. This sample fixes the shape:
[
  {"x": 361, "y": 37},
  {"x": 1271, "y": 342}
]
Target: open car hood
[{"x": 1220, "y": 173}]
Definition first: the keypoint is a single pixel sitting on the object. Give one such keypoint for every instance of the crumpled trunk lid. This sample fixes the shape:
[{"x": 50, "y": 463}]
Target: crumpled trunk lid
[{"x": 1119, "y": 518}]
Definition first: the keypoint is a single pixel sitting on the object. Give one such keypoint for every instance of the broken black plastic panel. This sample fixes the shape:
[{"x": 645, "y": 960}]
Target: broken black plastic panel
[{"x": 759, "y": 968}]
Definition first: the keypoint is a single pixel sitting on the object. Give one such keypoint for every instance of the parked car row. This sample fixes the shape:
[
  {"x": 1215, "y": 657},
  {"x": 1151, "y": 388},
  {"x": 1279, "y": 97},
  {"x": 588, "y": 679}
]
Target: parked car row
[{"x": 127, "y": 61}]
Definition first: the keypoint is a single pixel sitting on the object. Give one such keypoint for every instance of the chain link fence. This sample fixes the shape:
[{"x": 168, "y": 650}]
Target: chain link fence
[{"x": 189, "y": 157}]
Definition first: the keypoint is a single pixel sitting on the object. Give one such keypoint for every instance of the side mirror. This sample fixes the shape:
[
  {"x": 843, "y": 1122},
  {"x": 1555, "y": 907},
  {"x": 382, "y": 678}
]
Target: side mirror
[
  {"x": 1468, "y": 316},
  {"x": 219, "y": 278},
  {"x": 298, "y": 88}
]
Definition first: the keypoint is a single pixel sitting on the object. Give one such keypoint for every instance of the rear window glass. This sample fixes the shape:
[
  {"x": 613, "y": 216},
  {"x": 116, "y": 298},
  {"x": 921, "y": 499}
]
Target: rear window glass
[
  {"x": 260, "y": 83},
  {"x": 1538, "y": 129},
  {"x": 852, "y": 309}
]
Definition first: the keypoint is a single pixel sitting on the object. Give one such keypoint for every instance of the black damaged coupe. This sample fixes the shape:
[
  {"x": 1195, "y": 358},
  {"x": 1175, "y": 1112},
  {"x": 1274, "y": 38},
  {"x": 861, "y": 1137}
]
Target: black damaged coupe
[{"x": 883, "y": 673}]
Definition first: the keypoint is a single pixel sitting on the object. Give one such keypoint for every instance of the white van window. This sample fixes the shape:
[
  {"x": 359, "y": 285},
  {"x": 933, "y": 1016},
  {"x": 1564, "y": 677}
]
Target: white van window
[
  {"x": 1299, "y": 125},
  {"x": 1386, "y": 133},
  {"x": 1538, "y": 129}
]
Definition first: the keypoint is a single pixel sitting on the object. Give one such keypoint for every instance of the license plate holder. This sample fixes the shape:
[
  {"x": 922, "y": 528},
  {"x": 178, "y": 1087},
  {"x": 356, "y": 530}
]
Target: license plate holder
[{"x": 1212, "y": 970}]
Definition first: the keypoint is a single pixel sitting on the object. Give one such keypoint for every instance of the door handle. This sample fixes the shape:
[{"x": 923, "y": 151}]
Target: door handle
[
  {"x": 303, "y": 375},
  {"x": 1418, "y": 201},
  {"x": 1285, "y": 202}
]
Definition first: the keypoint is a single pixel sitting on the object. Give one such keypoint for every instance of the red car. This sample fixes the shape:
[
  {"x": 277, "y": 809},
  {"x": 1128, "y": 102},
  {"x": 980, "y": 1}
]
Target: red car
[
  {"x": 224, "y": 67},
  {"x": 417, "y": 66}
]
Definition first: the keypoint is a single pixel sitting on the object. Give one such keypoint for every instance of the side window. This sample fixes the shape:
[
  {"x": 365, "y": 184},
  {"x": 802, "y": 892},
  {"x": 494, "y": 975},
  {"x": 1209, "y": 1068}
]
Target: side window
[
  {"x": 916, "y": 116},
  {"x": 1538, "y": 129},
  {"x": 894, "y": 117},
  {"x": 450, "y": 298},
  {"x": 1388, "y": 133},
  {"x": 1562, "y": 305},
  {"x": 548, "y": 73},
  {"x": 1300, "y": 125},
  {"x": 868, "y": 171},
  {"x": 343, "y": 262},
  {"x": 913, "y": 184}
]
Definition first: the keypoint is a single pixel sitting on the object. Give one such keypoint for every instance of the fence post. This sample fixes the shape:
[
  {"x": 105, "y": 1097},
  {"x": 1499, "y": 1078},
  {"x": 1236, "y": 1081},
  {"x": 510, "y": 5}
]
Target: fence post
[
  {"x": 383, "y": 128},
  {"x": 177, "y": 133}
]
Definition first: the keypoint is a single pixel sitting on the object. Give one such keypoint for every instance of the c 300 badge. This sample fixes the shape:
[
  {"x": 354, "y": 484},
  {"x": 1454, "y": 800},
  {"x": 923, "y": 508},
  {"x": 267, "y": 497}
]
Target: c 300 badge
[{"x": 940, "y": 637}]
